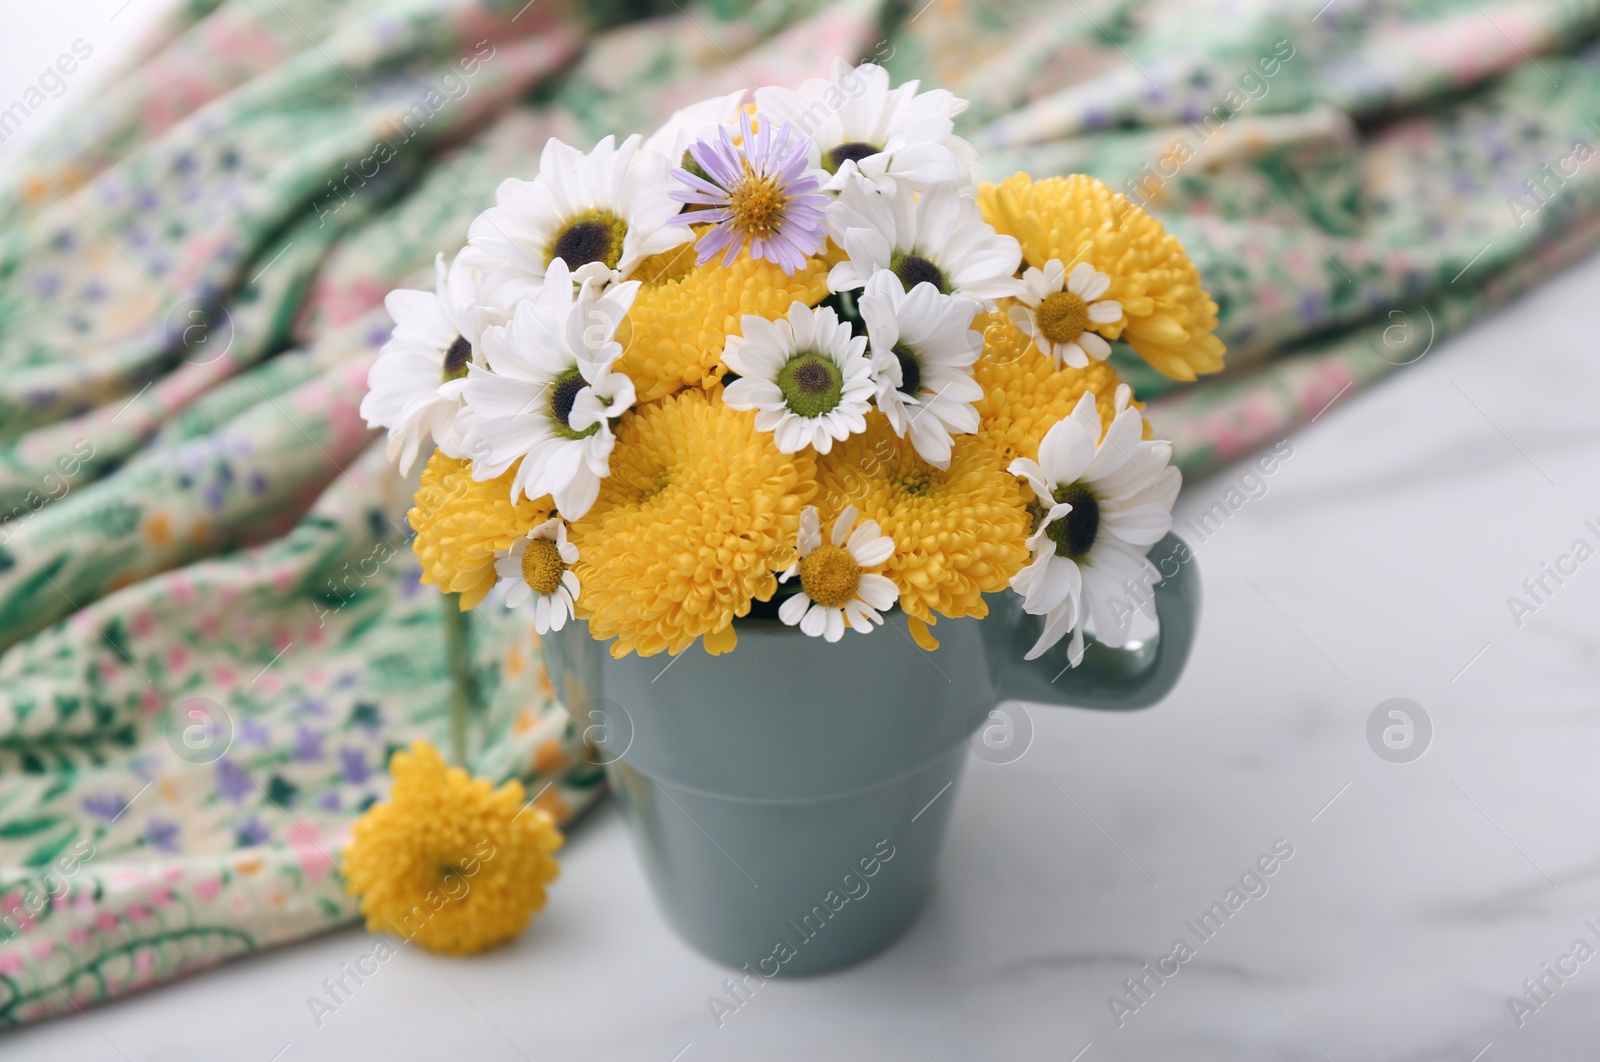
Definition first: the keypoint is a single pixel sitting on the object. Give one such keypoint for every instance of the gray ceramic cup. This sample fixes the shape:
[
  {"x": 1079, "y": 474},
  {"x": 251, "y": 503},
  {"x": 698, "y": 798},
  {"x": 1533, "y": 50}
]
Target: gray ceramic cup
[{"x": 788, "y": 799}]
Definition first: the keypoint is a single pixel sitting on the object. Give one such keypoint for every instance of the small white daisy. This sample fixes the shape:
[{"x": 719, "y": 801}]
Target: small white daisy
[
  {"x": 1058, "y": 310},
  {"x": 600, "y": 213},
  {"x": 415, "y": 384},
  {"x": 859, "y": 125},
  {"x": 835, "y": 586},
  {"x": 547, "y": 395},
  {"x": 923, "y": 350},
  {"x": 805, "y": 375},
  {"x": 539, "y": 565},
  {"x": 938, "y": 237},
  {"x": 1100, "y": 505},
  {"x": 698, "y": 121}
]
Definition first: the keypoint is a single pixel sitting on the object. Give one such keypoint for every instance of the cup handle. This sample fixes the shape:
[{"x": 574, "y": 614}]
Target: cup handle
[{"x": 1108, "y": 679}]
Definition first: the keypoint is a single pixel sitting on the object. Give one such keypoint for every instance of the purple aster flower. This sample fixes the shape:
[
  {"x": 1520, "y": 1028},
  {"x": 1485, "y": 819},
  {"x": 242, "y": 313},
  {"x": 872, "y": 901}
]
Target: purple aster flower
[{"x": 757, "y": 192}]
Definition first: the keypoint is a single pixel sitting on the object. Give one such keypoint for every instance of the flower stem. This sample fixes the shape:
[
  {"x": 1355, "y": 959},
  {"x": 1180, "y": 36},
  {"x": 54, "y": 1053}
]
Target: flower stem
[{"x": 460, "y": 662}]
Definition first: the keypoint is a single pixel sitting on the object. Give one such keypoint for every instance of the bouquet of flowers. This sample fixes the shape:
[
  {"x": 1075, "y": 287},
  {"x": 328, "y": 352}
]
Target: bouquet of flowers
[{"x": 778, "y": 359}]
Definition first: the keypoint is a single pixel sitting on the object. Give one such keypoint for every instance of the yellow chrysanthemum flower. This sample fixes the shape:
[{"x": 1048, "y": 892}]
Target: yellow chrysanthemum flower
[
  {"x": 698, "y": 513},
  {"x": 461, "y": 524},
  {"x": 1167, "y": 316},
  {"x": 1024, "y": 393},
  {"x": 957, "y": 534},
  {"x": 447, "y": 860},
  {"x": 683, "y": 315}
]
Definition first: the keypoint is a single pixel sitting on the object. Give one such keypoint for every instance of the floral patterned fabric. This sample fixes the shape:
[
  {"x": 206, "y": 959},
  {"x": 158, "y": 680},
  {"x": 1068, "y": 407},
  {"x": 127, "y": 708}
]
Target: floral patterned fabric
[{"x": 212, "y": 632}]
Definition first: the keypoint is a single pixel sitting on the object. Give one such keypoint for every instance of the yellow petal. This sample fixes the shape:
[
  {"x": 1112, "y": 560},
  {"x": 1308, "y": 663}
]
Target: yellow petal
[{"x": 921, "y": 634}]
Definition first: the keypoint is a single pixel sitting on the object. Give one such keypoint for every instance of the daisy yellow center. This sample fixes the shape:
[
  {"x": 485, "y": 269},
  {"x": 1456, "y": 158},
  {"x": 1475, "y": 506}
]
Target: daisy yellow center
[
  {"x": 1063, "y": 317},
  {"x": 1075, "y": 533},
  {"x": 756, "y": 205},
  {"x": 811, "y": 384},
  {"x": 913, "y": 269},
  {"x": 542, "y": 567},
  {"x": 830, "y": 575},
  {"x": 455, "y": 359},
  {"x": 854, "y": 151},
  {"x": 563, "y": 395},
  {"x": 593, "y": 236},
  {"x": 910, "y": 369}
]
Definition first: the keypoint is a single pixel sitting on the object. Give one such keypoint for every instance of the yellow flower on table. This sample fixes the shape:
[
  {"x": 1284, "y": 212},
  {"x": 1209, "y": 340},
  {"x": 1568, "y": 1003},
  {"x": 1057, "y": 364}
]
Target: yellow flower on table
[{"x": 448, "y": 860}]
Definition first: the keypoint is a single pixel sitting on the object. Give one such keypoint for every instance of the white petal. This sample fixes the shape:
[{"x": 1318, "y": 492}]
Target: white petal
[
  {"x": 794, "y": 608},
  {"x": 877, "y": 591},
  {"x": 1106, "y": 311},
  {"x": 1079, "y": 279},
  {"x": 815, "y": 621},
  {"x": 1094, "y": 346}
]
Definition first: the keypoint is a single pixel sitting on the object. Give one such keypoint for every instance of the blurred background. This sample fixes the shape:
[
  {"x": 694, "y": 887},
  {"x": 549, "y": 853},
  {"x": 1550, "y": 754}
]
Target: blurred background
[{"x": 202, "y": 206}]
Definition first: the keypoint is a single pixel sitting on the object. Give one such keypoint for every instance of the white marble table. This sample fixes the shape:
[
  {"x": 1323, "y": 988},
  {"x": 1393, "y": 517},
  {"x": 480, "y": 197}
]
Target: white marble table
[{"x": 1418, "y": 898}]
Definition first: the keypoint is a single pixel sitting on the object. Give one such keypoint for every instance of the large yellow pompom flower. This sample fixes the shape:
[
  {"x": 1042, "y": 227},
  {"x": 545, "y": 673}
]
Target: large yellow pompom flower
[
  {"x": 682, "y": 317},
  {"x": 699, "y": 512},
  {"x": 958, "y": 534},
  {"x": 461, "y": 524},
  {"x": 1167, "y": 316},
  {"x": 447, "y": 860},
  {"x": 1024, "y": 393}
]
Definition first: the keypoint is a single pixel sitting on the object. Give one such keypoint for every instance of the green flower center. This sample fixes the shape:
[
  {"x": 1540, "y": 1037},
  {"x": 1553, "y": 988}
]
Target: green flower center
[
  {"x": 913, "y": 269},
  {"x": 854, "y": 151},
  {"x": 1074, "y": 533},
  {"x": 593, "y": 236},
  {"x": 910, "y": 369},
  {"x": 542, "y": 567},
  {"x": 1062, "y": 317},
  {"x": 830, "y": 575},
  {"x": 563, "y": 394},
  {"x": 456, "y": 358},
  {"x": 811, "y": 384}
]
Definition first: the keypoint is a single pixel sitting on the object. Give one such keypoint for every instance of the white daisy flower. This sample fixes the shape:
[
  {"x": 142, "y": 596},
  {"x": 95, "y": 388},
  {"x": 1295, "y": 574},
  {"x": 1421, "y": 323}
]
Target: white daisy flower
[
  {"x": 805, "y": 375},
  {"x": 698, "y": 121},
  {"x": 539, "y": 565},
  {"x": 923, "y": 350},
  {"x": 1101, "y": 504},
  {"x": 938, "y": 237},
  {"x": 859, "y": 125},
  {"x": 601, "y": 213},
  {"x": 547, "y": 395},
  {"x": 415, "y": 384},
  {"x": 1058, "y": 310},
  {"x": 835, "y": 587}
]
